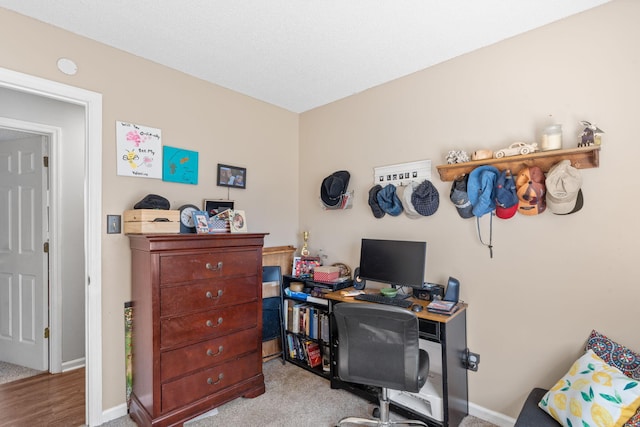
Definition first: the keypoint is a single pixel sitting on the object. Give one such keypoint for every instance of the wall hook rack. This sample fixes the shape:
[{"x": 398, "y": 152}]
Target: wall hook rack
[{"x": 403, "y": 173}]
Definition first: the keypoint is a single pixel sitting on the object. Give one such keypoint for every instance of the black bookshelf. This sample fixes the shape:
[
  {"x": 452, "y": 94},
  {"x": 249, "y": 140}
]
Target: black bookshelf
[{"x": 313, "y": 325}]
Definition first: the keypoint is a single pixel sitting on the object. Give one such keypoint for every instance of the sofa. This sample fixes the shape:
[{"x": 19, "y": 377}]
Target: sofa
[
  {"x": 531, "y": 415},
  {"x": 602, "y": 387}
]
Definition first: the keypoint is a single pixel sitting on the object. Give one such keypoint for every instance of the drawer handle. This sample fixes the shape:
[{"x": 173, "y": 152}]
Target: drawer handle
[
  {"x": 211, "y": 325},
  {"x": 212, "y": 267},
  {"x": 210, "y": 380},
  {"x": 211, "y": 353},
  {"x": 210, "y": 295}
]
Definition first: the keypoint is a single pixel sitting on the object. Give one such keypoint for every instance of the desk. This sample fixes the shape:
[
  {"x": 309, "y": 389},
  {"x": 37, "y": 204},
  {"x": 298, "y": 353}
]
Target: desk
[{"x": 450, "y": 332}]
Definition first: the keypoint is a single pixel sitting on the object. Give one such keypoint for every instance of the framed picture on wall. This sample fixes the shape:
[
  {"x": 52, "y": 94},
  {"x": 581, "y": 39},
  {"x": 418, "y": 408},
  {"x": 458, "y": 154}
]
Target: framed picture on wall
[{"x": 232, "y": 176}]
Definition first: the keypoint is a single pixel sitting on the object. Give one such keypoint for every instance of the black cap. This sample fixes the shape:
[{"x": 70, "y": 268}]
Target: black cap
[
  {"x": 152, "y": 201},
  {"x": 333, "y": 187}
]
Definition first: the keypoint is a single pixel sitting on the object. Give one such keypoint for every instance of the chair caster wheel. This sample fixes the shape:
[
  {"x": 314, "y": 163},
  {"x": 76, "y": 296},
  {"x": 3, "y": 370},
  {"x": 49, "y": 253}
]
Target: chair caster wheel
[{"x": 376, "y": 412}]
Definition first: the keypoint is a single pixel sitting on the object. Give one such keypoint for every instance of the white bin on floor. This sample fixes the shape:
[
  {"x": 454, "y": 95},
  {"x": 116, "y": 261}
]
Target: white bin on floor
[{"x": 427, "y": 402}]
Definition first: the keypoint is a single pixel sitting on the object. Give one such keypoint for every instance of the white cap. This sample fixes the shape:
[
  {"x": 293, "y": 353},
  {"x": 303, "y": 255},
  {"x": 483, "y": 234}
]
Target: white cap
[
  {"x": 405, "y": 198},
  {"x": 563, "y": 185}
]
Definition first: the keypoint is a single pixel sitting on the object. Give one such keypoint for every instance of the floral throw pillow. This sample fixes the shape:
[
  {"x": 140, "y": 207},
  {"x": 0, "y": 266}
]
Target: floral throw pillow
[
  {"x": 592, "y": 393},
  {"x": 615, "y": 354},
  {"x": 633, "y": 421},
  {"x": 619, "y": 356}
]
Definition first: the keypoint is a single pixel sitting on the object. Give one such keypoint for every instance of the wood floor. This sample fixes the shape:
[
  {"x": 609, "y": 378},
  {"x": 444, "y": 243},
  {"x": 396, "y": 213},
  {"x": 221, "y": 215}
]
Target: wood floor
[{"x": 44, "y": 400}]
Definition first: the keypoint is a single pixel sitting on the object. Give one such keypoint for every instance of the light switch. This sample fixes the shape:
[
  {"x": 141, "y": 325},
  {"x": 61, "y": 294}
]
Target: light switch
[{"x": 113, "y": 224}]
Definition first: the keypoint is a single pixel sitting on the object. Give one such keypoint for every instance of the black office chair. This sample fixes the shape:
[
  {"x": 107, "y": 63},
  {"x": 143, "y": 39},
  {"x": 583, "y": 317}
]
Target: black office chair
[
  {"x": 272, "y": 310},
  {"x": 378, "y": 346}
]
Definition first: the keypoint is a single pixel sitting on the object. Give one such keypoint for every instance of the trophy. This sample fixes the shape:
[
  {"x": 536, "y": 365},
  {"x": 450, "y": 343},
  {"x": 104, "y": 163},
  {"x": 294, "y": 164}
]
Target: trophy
[{"x": 305, "y": 248}]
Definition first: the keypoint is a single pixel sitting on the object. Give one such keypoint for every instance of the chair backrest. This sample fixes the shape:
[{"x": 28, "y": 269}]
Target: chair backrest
[
  {"x": 271, "y": 307},
  {"x": 271, "y": 273},
  {"x": 378, "y": 345}
]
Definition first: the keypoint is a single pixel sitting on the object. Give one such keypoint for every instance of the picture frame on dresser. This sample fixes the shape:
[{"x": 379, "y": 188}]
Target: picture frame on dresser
[
  {"x": 201, "y": 219},
  {"x": 238, "y": 221},
  {"x": 214, "y": 207}
]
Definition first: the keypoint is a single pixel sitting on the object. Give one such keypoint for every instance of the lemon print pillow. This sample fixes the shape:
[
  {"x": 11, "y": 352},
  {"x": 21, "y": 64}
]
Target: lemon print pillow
[{"x": 592, "y": 394}]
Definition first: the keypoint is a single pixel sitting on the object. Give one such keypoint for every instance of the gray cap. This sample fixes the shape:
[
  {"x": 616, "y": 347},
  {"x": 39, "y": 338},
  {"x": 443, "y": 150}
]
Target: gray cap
[
  {"x": 460, "y": 198},
  {"x": 425, "y": 198}
]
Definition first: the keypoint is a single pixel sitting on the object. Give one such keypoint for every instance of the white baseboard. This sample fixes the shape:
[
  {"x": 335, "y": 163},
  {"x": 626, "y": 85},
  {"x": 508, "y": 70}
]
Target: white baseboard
[
  {"x": 73, "y": 364},
  {"x": 493, "y": 417},
  {"x": 115, "y": 412}
]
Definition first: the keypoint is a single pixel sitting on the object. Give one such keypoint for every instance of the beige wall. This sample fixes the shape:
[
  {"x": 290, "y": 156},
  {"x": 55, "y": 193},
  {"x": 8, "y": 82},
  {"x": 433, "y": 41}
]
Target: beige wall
[
  {"x": 552, "y": 278},
  {"x": 223, "y": 126}
]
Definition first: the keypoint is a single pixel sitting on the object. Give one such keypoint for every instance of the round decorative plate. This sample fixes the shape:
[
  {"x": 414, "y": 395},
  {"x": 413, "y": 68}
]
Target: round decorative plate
[{"x": 345, "y": 271}]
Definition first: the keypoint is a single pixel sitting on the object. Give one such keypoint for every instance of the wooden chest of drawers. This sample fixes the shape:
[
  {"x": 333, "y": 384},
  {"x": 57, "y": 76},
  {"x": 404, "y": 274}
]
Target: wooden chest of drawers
[{"x": 197, "y": 324}]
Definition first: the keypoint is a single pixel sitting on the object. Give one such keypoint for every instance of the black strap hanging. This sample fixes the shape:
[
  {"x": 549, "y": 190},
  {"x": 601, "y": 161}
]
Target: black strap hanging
[{"x": 490, "y": 246}]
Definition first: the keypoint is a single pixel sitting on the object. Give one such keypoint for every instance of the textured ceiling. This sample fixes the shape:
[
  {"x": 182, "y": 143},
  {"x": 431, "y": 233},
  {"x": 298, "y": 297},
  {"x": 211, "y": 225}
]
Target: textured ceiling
[{"x": 298, "y": 54}]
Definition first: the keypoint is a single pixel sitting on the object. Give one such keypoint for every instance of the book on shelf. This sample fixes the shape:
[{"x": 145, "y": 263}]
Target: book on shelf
[
  {"x": 296, "y": 326},
  {"x": 316, "y": 300},
  {"x": 288, "y": 313},
  {"x": 306, "y": 319},
  {"x": 324, "y": 327},
  {"x": 290, "y": 346},
  {"x": 442, "y": 307},
  {"x": 304, "y": 350},
  {"x": 314, "y": 323},
  {"x": 314, "y": 354}
]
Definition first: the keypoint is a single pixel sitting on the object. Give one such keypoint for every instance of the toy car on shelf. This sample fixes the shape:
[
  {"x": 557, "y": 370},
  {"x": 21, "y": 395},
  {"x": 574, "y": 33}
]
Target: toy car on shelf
[{"x": 515, "y": 149}]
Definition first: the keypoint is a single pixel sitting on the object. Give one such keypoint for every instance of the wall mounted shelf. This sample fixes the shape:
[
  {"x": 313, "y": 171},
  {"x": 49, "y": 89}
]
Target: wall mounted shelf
[{"x": 581, "y": 158}]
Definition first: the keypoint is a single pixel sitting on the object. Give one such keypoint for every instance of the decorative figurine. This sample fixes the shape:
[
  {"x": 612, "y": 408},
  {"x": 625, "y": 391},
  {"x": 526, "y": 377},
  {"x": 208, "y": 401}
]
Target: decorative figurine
[
  {"x": 590, "y": 135},
  {"x": 482, "y": 155},
  {"x": 516, "y": 148},
  {"x": 305, "y": 248},
  {"x": 457, "y": 156}
]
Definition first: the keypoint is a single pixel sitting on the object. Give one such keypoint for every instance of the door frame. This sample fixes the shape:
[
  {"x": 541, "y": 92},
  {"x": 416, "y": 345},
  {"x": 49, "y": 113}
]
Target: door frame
[
  {"x": 54, "y": 296},
  {"x": 92, "y": 103}
]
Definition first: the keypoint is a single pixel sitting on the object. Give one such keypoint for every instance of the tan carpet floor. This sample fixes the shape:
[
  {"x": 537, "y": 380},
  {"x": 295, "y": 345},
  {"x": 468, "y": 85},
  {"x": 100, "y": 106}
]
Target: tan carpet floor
[{"x": 293, "y": 398}]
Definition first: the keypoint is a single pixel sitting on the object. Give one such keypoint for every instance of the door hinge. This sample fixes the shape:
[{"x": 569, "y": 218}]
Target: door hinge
[
  {"x": 45, "y": 161},
  {"x": 46, "y": 332},
  {"x": 46, "y": 247}
]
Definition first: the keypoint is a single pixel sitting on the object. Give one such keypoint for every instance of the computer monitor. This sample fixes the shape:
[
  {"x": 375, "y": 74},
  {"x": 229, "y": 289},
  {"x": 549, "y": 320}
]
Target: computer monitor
[{"x": 396, "y": 262}]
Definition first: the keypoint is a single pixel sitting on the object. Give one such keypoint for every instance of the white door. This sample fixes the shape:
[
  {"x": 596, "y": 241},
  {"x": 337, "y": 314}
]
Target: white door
[{"x": 23, "y": 261}]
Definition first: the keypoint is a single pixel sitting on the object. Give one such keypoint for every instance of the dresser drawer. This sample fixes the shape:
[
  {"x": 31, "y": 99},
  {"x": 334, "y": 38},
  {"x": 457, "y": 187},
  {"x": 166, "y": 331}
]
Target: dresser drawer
[
  {"x": 210, "y": 381},
  {"x": 207, "y": 294},
  {"x": 209, "y": 265},
  {"x": 211, "y": 352},
  {"x": 208, "y": 324}
]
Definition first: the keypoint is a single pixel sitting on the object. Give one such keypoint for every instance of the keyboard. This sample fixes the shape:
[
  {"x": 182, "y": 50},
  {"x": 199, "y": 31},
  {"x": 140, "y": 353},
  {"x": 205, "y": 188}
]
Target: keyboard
[{"x": 381, "y": 299}]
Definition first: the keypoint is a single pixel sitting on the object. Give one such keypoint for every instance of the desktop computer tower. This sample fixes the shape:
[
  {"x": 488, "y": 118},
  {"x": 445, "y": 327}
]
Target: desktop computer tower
[{"x": 428, "y": 401}]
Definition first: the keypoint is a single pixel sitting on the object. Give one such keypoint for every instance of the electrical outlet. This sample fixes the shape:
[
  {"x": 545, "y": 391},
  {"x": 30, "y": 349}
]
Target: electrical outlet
[
  {"x": 113, "y": 224},
  {"x": 471, "y": 360}
]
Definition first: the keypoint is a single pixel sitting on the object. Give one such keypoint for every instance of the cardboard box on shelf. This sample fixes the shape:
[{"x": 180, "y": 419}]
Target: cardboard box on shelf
[
  {"x": 326, "y": 273},
  {"x": 151, "y": 221}
]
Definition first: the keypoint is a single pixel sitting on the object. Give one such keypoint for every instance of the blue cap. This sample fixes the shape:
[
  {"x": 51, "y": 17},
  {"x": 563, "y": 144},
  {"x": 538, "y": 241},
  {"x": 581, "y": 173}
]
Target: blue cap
[
  {"x": 481, "y": 189},
  {"x": 389, "y": 201}
]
